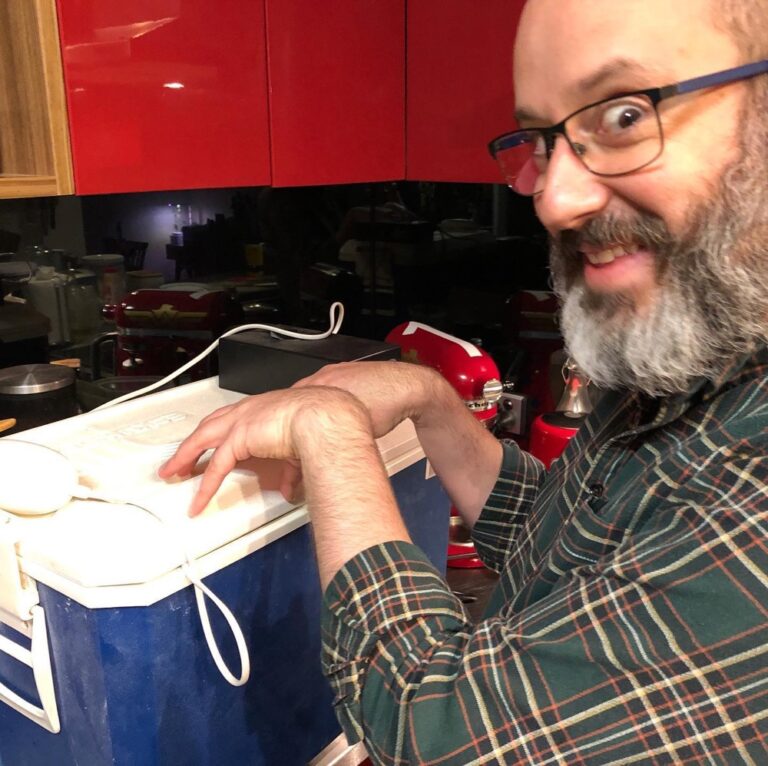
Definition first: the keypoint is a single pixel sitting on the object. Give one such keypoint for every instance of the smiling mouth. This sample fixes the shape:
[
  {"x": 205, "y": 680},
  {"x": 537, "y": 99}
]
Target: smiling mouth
[{"x": 606, "y": 255}]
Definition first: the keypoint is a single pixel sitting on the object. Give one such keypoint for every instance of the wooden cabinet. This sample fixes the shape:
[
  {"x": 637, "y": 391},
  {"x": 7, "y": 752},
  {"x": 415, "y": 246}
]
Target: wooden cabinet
[
  {"x": 460, "y": 92},
  {"x": 166, "y": 94},
  {"x": 34, "y": 145},
  {"x": 337, "y": 90}
]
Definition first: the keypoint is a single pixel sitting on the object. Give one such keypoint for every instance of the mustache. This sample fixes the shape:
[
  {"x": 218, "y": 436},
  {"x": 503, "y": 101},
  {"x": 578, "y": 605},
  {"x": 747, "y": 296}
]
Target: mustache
[{"x": 644, "y": 230}]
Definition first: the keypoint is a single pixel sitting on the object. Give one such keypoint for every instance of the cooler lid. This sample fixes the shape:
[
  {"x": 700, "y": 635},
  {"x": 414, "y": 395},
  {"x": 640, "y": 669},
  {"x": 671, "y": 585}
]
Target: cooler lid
[{"x": 94, "y": 544}]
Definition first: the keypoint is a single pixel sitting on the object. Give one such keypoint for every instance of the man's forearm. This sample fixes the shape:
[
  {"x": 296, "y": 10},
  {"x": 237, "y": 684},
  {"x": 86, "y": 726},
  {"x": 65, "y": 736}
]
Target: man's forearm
[
  {"x": 349, "y": 494},
  {"x": 465, "y": 456}
]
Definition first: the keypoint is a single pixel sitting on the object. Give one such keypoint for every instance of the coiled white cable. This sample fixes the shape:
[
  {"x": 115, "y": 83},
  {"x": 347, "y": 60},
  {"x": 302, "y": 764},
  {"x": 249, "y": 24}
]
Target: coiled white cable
[
  {"x": 201, "y": 591},
  {"x": 336, "y": 318}
]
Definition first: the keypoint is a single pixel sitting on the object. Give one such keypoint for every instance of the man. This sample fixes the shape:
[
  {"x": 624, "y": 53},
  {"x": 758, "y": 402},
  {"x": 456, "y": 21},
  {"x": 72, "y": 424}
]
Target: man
[{"x": 630, "y": 623}]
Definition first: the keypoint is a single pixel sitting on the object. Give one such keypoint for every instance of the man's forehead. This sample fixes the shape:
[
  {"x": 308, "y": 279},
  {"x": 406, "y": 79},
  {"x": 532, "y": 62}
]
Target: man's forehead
[
  {"x": 610, "y": 17},
  {"x": 582, "y": 49}
]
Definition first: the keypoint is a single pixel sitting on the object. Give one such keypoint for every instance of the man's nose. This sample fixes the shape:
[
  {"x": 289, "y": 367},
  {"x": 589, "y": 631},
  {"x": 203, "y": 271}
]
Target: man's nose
[{"x": 569, "y": 194}]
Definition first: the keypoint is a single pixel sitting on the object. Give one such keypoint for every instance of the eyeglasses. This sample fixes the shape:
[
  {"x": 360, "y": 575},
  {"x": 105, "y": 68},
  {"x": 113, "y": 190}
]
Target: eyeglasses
[{"x": 613, "y": 137}]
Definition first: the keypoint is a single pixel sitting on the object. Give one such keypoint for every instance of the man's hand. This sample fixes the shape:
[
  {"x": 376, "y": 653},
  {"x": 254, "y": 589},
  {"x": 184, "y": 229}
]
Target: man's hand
[
  {"x": 266, "y": 426},
  {"x": 464, "y": 455},
  {"x": 349, "y": 496},
  {"x": 391, "y": 391}
]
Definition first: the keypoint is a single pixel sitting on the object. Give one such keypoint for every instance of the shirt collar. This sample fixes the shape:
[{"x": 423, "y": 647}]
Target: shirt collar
[{"x": 739, "y": 370}]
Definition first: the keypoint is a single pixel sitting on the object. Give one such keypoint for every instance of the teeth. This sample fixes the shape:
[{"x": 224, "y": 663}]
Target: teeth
[{"x": 606, "y": 256}]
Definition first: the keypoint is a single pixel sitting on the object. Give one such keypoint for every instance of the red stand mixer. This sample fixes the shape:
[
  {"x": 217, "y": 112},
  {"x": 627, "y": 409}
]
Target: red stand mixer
[{"x": 476, "y": 378}]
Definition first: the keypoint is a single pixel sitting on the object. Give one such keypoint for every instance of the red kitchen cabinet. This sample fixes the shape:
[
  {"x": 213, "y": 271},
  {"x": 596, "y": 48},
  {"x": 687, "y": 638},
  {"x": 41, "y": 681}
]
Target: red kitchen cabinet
[
  {"x": 166, "y": 94},
  {"x": 460, "y": 92},
  {"x": 337, "y": 90}
]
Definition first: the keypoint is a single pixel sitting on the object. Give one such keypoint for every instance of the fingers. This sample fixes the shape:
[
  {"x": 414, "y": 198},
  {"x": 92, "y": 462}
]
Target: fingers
[
  {"x": 182, "y": 461},
  {"x": 222, "y": 462},
  {"x": 217, "y": 413},
  {"x": 207, "y": 435},
  {"x": 266, "y": 426}
]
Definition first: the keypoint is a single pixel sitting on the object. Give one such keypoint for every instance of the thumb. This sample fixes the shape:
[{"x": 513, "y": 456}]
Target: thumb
[{"x": 290, "y": 481}]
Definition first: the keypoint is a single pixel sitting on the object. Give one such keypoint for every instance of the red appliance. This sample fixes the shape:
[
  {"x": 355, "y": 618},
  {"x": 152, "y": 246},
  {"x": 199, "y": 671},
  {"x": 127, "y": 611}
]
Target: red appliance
[
  {"x": 474, "y": 374},
  {"x": 467, "y": 367},
  {"x": 551, "y": 431},
  {"x": 532, "y": 324},
  {"x": 159, "y": 330}
]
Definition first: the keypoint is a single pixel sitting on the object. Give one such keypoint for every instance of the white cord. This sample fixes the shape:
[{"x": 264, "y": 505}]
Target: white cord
[
  {"x": 335, "y": 319},
  {"x": 201, "y": 591}
]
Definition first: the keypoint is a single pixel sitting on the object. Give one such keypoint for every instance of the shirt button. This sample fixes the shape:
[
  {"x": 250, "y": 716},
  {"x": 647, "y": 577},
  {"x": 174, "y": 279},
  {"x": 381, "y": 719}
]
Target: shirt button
[{"x": 597, "y": 489}]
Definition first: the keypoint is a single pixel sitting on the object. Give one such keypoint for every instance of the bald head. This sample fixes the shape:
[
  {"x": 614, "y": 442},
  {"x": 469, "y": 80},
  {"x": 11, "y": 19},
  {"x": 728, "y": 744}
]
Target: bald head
[
  {"x": 746, "y": 21},
  {"x": 566, "y": 47}
]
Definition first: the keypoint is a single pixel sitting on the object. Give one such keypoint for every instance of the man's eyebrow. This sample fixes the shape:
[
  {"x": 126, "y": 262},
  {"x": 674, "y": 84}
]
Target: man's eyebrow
[
  {"x": 618, "y": 67},
  {"x": 524, "y": 115}
]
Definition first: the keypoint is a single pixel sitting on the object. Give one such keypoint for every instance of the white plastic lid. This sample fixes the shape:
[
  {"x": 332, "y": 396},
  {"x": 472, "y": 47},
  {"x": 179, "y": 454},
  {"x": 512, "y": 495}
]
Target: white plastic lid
[{"x": 117, "y": 452}]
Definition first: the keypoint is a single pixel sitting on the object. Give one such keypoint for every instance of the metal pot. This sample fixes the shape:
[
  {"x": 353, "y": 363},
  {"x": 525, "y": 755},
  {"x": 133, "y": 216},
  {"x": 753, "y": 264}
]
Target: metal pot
[{"x": 36, "y": 394}]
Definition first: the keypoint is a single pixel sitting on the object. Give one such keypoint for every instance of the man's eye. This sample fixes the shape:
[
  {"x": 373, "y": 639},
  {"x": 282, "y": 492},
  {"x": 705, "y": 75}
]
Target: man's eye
[{"x": 620, "y": 117}]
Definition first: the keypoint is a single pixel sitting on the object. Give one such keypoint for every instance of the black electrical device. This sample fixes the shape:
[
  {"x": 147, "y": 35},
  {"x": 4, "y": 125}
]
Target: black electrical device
[{"x": 256, "y": 361}]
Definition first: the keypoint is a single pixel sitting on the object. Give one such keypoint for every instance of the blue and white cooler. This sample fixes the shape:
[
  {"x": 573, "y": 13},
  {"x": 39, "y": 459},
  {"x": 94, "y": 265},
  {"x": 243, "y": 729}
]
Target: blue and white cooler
[{"x": 112, "y": 651}]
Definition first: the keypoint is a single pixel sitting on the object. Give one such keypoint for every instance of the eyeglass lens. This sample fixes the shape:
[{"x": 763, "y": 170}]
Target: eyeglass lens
[{"x": 610, "y": 138}]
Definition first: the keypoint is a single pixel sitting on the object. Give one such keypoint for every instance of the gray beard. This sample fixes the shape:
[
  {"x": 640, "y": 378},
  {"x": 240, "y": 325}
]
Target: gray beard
[{"x": 711, "y": 304}]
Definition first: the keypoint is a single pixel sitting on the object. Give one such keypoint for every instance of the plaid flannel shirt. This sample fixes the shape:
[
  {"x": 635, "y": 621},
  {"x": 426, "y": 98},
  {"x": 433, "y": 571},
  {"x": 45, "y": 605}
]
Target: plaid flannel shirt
[{"x": 629, "y": 624}]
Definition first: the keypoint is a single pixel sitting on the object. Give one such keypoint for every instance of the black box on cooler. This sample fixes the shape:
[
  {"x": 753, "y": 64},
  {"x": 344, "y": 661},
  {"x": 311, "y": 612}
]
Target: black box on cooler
[{"x": 255, "y": 361}]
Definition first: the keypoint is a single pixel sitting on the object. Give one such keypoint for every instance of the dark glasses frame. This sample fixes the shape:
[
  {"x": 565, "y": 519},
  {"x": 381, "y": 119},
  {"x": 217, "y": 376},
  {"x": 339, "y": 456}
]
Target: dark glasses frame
[{"x": 654, "y": 95}]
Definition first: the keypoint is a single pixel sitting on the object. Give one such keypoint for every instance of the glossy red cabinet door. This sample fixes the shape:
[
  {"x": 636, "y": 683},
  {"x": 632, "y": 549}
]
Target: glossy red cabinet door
[
  {"x": 337, "y": 90},
  {"x": 166, "y": 94},
  {"x": 460, "y": 92}
]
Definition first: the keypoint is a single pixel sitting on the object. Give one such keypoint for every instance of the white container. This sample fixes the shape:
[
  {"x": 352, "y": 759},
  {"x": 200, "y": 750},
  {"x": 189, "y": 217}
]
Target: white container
[
  {"x": 46, "y": 291},
  {"x": 143, "y": 280},
  {"x": 14, "y": 273}
]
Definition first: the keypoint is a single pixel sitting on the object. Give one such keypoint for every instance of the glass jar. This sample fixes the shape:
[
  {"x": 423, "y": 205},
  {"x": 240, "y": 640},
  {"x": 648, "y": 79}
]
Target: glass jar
[
  {"x": 84, "y": 306},
  {"x": 109, "y": 269}
]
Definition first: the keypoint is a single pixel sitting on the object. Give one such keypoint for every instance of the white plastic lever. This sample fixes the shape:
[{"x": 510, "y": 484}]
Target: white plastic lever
[{"x": 38, "y": 658}]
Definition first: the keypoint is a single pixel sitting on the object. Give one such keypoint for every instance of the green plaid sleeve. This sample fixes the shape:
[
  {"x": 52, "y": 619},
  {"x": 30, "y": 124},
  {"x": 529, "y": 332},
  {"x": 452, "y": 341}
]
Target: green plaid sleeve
[
  {"x": 654, "y": 653},
  {"x": 388, "y": 606},
  {"x": 495, "y": 531}
]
